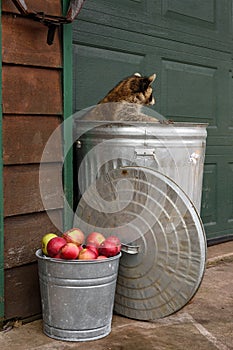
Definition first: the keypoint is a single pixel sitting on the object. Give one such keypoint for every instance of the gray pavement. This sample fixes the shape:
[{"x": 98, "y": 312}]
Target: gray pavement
[{"x": 206, "y": 323}]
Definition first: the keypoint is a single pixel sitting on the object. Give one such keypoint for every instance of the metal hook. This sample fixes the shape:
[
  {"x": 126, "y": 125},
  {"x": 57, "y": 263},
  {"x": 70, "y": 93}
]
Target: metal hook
[{"x": 51, "y": 33}]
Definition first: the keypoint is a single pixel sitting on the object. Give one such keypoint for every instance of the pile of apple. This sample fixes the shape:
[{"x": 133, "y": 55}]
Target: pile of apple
[{"x": 73, "y": 245}]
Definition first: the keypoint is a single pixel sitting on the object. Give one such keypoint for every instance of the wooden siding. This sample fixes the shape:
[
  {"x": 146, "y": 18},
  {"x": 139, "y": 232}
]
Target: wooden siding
[
  {"x": 38, "y": 90},
  {"x": 22, "y": 291},
  {"x": 51, "y": 7},
  {"x": 23, "y": 132},
  {"x": 32, "y": 110},
  {"x": 25, "y": 232},
  {"x": 28, "y": 43},
  {"x": 22, "y": 190}
]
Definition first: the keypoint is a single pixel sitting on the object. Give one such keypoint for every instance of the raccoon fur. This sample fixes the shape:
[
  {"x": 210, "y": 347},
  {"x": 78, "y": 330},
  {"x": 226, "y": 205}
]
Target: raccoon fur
[{"x": 125, "y": 101}]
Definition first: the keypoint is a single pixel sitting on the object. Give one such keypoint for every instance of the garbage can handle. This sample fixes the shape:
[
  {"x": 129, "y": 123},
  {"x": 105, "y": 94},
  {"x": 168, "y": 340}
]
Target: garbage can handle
[{"x": 143, "y": 152}]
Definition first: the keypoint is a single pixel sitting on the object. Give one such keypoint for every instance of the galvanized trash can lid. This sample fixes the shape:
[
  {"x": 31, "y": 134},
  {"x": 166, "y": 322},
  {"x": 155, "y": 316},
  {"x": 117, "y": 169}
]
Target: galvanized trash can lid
[{"x": 164, "y": 244}]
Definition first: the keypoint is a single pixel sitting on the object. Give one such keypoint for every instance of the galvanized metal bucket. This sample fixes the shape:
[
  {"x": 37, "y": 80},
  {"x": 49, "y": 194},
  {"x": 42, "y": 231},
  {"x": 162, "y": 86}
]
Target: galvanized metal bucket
[
  {"x": 77, "y": 297},
  {"x": 176, "y": 150}
]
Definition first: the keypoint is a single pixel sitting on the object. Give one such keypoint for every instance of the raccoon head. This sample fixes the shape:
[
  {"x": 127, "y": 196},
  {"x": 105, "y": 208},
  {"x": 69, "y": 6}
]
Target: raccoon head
[{"x": 133, "y": 89}]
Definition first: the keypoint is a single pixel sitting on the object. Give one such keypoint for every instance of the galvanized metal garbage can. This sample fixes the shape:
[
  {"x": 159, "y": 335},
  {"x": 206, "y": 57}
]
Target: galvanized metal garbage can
[
  {"x": 77, "y": 296},
  {"x": 176, "y": 150}
]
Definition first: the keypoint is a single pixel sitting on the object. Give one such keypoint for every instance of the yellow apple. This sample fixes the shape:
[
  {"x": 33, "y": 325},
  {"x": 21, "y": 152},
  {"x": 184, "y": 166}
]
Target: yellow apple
[{"x": 45, "y": 241}]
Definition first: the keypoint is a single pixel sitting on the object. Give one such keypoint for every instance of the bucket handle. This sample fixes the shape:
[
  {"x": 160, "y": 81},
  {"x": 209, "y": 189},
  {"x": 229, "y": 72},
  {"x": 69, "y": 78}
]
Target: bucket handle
[{"x": 129, "y": 249}]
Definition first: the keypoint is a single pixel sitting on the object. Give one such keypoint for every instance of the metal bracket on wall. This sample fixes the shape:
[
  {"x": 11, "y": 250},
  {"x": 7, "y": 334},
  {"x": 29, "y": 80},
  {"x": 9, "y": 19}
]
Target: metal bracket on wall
[{"x": 52, "y": 22}]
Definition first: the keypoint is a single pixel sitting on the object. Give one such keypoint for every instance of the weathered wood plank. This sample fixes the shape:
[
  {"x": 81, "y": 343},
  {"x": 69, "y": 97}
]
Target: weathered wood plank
[
  {"x": 24, "y": 139},
  {"x": 22, "y": 189},
  {"x": 23, "y": 234},
  {"x": 38, "y": 90},
  {"x": 51, "y": 7},
  {"x": 25, "y": 42},
  {"x": 22, "y": 292}
]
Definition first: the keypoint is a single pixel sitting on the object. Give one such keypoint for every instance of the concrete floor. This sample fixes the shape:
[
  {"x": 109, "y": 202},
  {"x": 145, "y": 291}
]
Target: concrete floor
[{"x": 206, "y": 323}]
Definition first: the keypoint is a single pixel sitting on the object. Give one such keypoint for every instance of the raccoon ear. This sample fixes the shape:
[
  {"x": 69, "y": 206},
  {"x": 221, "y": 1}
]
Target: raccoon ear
[
  {"x": 137, "y": 74},
  {"x": 152, "y": 78}
]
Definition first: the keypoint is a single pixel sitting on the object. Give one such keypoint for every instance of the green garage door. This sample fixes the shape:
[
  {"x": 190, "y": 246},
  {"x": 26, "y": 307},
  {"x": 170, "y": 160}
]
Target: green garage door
[{"x": 188, "y": 43}]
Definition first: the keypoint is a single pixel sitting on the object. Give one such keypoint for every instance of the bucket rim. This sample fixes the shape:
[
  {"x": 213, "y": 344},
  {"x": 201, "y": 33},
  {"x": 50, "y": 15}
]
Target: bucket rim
[{"x": 41, "y": 256}]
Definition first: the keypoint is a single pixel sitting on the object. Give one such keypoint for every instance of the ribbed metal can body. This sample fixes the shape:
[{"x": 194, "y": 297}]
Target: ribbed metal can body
[
  {"x": 77, "y": 297},
  {"x": 176, "y": 150}
]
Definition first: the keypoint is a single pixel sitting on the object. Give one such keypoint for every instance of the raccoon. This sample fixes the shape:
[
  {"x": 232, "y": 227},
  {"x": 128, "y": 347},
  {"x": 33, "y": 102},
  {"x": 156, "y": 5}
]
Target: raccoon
[
  {"x": 133, "y": 89},
  {"x": 125, "y": 101}
]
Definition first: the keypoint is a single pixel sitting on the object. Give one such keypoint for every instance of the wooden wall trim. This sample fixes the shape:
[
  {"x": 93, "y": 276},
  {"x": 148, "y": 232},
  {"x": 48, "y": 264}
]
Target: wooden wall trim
[
  {"x": 1, "y": 198},
  {"x": 67, "y": 112}
]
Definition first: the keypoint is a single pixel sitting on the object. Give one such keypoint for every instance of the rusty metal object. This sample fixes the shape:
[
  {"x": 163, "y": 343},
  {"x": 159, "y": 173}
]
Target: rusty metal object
[
  {"x": 74, "y": 9},
  {"x": 21, "y": 6},
  {"x": 52, "y": 22}
]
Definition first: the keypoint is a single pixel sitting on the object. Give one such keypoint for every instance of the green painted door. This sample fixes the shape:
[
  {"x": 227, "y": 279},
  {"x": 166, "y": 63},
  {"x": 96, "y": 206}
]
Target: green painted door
[{"x": 188, "y": 44}]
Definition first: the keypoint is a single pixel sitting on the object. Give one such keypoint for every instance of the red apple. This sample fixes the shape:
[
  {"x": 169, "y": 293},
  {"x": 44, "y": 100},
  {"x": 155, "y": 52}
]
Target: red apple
[
  {"x": 87, "y": 254},
  {"x": 93, "y": 248},
  {"x": 54, "y": 246},
  {"x": 95, "y": 239},
  {"x": 101, "y": 257},
  {"x": 115, "y": 240},
  {"x": 110, "y": 247},
  {"x": 57, "y": 256},
  {"x": 74, "y": 235},
  {"x": 70, "y": 251}
]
